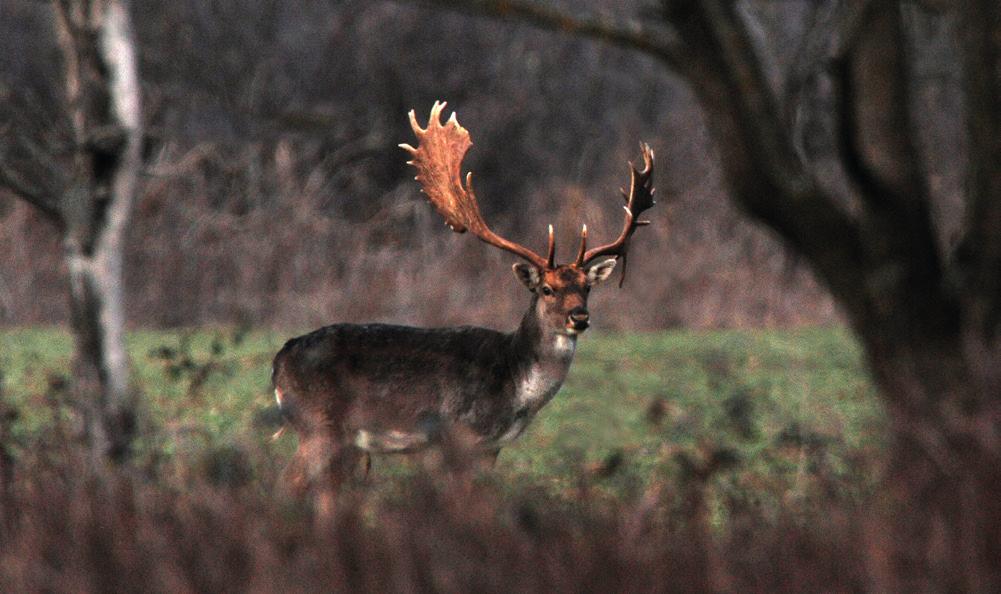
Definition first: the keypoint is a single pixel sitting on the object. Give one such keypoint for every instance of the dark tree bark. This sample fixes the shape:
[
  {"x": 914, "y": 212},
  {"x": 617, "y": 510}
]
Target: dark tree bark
[
  {"x": 91, "y": 204},
  {"x": 930, "y": 322}
]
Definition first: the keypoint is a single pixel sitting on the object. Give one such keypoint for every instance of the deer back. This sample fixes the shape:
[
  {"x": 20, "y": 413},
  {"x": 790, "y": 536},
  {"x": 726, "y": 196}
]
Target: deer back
[{"x": 381, "y": 377}]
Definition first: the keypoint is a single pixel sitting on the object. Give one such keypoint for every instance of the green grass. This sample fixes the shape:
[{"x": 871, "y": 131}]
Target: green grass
[{"x": 792, "y": 412}]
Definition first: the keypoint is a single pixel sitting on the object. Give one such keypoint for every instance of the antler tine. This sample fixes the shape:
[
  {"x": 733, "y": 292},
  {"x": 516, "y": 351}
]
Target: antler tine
[
  {"x": 551, "y": 257},
  {"x": 438, "y": 160},
  {"x": 579, "y": 262},
  {"x": 639, "y": 199}
]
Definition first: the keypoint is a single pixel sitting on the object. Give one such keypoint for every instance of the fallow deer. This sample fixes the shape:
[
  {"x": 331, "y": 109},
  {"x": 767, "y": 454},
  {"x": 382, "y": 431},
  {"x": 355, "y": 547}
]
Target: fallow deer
[{"x": 349, "y": 389}]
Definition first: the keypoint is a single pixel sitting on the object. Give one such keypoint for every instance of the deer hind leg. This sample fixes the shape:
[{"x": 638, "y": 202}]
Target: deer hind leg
[
  {"x": 489, "y": 459},
  {"x": 366, "y": 465},
  {"x": 306, "y": 465},
  {"x": 341, "y": 466},
  {"x": 320, "y": 467}
]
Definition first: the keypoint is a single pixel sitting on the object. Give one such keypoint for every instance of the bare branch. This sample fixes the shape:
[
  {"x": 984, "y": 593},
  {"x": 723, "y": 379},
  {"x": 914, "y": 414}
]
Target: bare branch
[
  {"x": 713, "y": 51},
  {"x": 876, "y": 138},
  {"x": 731, "y": 85},
  {"x": 20, "y": 185},
  {"x": 762, "y": 168},
  {"x": 980, "y": 250},
  {"x": 813, "y": 51},
  {"x": 23, "y": 189},
  {"x": 831, "y": 27},
  {"x": 544, "y": 17}
]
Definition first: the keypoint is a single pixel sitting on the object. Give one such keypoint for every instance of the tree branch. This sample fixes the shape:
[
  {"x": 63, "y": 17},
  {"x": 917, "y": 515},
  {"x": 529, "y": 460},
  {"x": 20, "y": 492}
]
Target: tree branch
[
  {"x": 21, "y": 186},
  {"x": 762, "y": 169},
  {"x": 713, "y": 51},
  {"x": 714, "y": 32},
  {"x": 979, "y": 253},
  {"x": 23, "y": 189},
  {"x": 876, "y": 133},
  {"x": 832, "y": 26},
  {"x": 554, "y": 20},
  {"x": 812, "y": 53},
  {"x": 880, "y": 157}
]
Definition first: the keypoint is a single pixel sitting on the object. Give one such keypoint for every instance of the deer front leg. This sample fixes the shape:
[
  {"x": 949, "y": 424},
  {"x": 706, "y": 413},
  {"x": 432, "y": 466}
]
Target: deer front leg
[
  {"x": 489, "y": 458},
  {"x": 300, "y": 473},
  {"x": 339, "y": 464},
  {"x": 320, "y": 466},
  {"x": 366, "y": 466}
]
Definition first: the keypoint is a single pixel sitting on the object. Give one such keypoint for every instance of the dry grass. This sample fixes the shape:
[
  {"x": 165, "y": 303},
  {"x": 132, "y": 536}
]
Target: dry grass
[{"x": 116, "y": 530}]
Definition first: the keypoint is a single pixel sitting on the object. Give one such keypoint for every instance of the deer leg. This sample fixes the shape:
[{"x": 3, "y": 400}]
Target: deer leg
[
  {"x": 300, "y": 473},
  {"x": 366, "y": 465},
  {"x": 315, "y": 464},
  {"x": 341, "y": 464},
  {"x": 489, "y": 458}
]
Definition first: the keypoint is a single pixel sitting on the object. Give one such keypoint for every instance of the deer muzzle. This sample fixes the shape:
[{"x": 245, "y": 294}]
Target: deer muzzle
[{"x": 578, "y": 320}]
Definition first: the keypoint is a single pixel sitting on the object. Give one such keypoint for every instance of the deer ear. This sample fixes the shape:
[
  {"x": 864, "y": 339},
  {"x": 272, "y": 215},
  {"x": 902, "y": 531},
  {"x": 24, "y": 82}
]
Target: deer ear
[
  {"x": 527, "y": 274},
  {"x": 600, "y": 271}
]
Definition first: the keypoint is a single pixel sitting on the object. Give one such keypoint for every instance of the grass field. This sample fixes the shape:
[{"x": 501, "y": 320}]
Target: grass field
[{"x": 782, "y": 413}]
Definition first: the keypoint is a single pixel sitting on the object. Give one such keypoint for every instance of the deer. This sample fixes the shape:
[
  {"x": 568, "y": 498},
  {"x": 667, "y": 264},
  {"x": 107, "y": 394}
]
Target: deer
[{"x": 351, "y": 390}]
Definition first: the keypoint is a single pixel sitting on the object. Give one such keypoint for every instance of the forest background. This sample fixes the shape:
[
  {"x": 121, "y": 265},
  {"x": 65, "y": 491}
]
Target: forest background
[{"x": 275, "y": 193}]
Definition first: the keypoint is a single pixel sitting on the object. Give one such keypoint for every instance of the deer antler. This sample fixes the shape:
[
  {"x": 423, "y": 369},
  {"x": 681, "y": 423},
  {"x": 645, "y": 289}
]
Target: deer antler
[
  {"x": 639, "y": 199},
  {"x": 438, "y": 159}
]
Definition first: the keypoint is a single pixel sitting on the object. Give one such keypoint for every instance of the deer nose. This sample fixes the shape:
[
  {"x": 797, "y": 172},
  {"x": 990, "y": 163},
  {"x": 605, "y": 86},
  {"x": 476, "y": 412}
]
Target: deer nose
[{"x": 579, "y": 318}]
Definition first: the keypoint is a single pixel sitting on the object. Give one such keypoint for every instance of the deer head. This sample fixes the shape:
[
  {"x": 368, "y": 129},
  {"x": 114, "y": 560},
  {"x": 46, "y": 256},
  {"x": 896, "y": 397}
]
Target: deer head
[{"x": 560, "y": 291}]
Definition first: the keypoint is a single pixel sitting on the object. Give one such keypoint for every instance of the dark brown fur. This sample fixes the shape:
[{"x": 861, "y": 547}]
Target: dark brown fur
[{"x": 348, "y": 388}]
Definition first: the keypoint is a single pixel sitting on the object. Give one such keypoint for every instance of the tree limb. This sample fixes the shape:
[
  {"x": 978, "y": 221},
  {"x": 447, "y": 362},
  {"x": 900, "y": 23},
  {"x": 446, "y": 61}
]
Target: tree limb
[
  {"x": 867, "y": 263},
  {"x": 20, "y": 187},
  {"x": 13, "y": 179},
  {"x": 551, "y": 19},
  {"x": 830, "y": 25},
  {"x": 979, "y": 253},
  {"x": 762, "y": 168},
  {"x": 765, "y": 175},
  {"x": 810, "y": 56},
  {"x": 880, "y": 154}
]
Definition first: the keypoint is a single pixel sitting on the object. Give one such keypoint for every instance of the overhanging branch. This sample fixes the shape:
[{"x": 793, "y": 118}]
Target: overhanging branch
[
  {"x": 551, "y": 19},
  {"x": 979, "y": 252},
  {"x": 17, "y": 183},
  {"x": 876, "y": 134},
  {"x": 763, "y": 171},
  {"x": 713, "y": 52},
  {"x": 12, "y": 181}
]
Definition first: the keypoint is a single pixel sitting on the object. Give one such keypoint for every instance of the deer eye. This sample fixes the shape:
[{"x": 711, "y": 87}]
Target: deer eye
[{"x": 546, "y": 290}]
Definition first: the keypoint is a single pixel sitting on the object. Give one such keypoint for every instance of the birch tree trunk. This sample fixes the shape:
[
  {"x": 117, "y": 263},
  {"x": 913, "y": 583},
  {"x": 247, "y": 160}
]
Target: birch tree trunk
[{"x": 91, "y": 205}]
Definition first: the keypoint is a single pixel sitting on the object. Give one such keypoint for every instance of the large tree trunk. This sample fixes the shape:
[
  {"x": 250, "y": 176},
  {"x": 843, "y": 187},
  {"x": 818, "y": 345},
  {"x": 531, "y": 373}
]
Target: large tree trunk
[
  {"x": 933, "y": 356},
  {"x": 930, "y": 322},
  {"x": 942, "y": 522}
]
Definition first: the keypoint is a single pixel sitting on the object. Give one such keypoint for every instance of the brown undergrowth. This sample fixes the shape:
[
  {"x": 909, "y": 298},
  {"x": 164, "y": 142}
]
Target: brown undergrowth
[{"x": 448, "y": 528}]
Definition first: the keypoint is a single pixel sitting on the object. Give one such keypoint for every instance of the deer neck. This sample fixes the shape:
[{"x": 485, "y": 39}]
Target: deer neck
[{"x": 544, "y": 356}]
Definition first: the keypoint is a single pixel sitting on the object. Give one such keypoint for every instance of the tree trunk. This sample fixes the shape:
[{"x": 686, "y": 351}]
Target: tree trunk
[
  {"x": 942, "y": 520},
  {"x": 100, "y": 364},
  {"x": 930, "y": 322},
  {"x": 104, "y": 98},
  {"x": 92, "y": 203}
]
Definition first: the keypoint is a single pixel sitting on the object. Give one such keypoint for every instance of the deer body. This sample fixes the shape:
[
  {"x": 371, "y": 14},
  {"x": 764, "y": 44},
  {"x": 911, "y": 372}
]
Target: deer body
[
  {"x": 392, "y": 388},
  {"x": 350, "y": 389}
]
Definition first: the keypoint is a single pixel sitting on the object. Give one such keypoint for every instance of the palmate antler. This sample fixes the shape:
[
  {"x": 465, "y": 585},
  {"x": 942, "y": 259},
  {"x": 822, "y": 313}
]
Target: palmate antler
[{"x": 438, "y": 159}]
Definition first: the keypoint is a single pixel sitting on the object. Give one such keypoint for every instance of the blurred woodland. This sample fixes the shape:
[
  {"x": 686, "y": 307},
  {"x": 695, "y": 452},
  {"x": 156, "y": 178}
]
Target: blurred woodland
[
  {"x": 275, "y": 192},
  {"x": 269, "y": 191}
]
